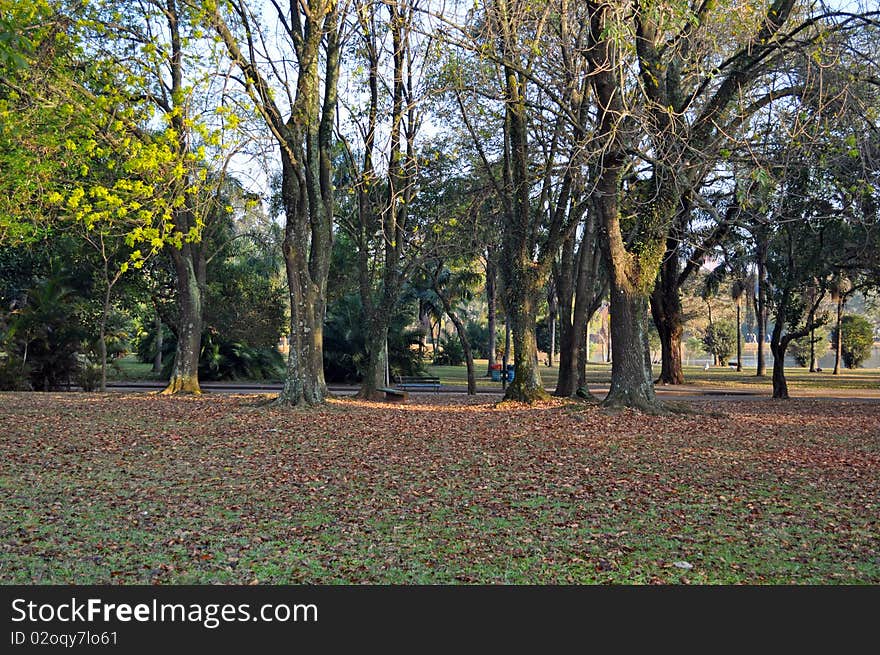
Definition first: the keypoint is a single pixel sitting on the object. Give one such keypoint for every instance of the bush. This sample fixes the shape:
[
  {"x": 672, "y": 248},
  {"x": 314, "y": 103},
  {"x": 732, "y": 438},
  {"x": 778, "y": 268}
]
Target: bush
[
  {"x": 800, "y": 348},
  {"x": 14, "y": 374},
  {"x": 47, "y": 334},
  {"x": 451, "y": 352},
  {"x": 858, "y": 339},
  {"x": 720, "y": 340},
  {"x": 222, "y": 359},
  {"x": 478, "y": 335},
  {"x": 344, "y": 343},
  {"x": 88, "y": 377}
]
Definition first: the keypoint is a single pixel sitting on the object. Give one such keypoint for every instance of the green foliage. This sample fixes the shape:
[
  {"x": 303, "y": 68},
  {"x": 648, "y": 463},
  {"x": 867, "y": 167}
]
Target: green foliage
[
  {"x": 858, "y": 339},
  {"x": 720, "y": 340},
  {"x": 146, "y": 344},
  {"x": 88, "y": 377},
  {"x": 245, "y": 302},
  {"x": 695, "y": 345},
  {"x": 14, "y": 373},
  {"x": 451, "y": 352},
  {"x": 46, "y": 335},
  {"x": 344, "y": 342},
  {"x": 478, "y": 335},
  {"x": 800, "y": 348},
  {"x": 224, "y": 359}
]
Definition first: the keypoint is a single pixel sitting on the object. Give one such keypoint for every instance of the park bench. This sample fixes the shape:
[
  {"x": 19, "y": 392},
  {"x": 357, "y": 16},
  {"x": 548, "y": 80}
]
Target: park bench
[
  {"x": 394, "y": 395},
  {"x": 418, "y": 382}
]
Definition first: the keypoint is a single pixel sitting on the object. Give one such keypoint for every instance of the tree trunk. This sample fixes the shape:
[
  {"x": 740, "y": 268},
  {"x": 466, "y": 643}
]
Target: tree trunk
[
  {"x": 780, "y": 386},
  {"x": 739, "y": 358},
  {"x": 374, "y": 375},
  {"x": 812, "y": 350},
  {"x": 465, "y": 342},
  {"x": 492, "y": 303},
  {"x": 631, "y": 382},
  {"x": 158, "y": 343},
  {"x": 105, "y": 312},
  {"x": 761, "y": 305},
  {"x": 527, "y": 386},
  {"x": 778, "y": 346},
  {"x": 505, "y": 358},
  {"x": 588, "y": 294},
  {"x": 522, "y": 280},
  {"x": 185, "y": 373},
  {"x": 565, "y": 289},
  {"x": 552, "y": 320},
  {"x": 667, "y": 314},
  {"x": 304, "y": 383},
  {"x": 838, "y": 350}
]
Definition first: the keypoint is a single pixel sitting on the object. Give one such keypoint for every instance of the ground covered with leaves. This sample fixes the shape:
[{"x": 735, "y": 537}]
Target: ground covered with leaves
[{"x": 446, "y": 489}]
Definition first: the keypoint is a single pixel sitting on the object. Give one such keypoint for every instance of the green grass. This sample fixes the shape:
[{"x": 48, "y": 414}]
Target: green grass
[
  {"x": 600, "y": 374},
  {"x": 129, "y": 369},
  {"x": 134, "y": 489}
]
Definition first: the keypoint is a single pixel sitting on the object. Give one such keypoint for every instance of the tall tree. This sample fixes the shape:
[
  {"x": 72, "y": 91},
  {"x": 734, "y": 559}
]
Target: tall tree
[{"x": 310, "y": 30}]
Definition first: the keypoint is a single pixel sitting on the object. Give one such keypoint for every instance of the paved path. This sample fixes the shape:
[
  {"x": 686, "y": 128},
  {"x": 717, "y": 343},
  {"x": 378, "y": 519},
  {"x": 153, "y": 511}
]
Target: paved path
[{"x": 678, "y": 392}]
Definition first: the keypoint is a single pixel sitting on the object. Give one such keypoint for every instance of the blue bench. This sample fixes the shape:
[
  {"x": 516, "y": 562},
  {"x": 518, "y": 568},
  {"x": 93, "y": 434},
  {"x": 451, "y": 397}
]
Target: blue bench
[{"x": 418, "y": 382}]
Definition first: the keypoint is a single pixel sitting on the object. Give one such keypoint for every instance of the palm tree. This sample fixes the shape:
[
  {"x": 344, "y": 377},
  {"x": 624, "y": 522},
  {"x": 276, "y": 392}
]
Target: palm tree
[
  {"x": 737, "y": 293},
  {"x": 840, "y": 288}
]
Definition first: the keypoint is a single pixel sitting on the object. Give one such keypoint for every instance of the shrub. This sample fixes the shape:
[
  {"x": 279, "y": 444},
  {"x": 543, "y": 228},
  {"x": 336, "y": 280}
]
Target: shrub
[
  {"x": 451, "y": 351},
  {"x": 47, "y": 334},
  {"x": 222, "y": 359},
  {"x": 14, "y": 374},
  {"x": 88, "y": 377},
  {"x": 800, "y": 348},
  {"x": 720, "y": 340},
  {"x": 858, "y": 339},
  {"x": 344, "y": 350}
]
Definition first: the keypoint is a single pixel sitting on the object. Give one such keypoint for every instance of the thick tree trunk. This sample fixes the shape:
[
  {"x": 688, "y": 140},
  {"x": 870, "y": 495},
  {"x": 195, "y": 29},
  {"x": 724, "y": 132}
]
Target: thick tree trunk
[
  {"x": 632, "y": 384},
  {"x": 185, "y": 373},
  {"x": 304, "y": 383},
  {"x": 374, "y": 374},
  {"x": 527, "y": 385},
  {"x": 780, "y": 386},
  {"x": 158, "y": 343},
  {"x": 778, "y": 346},
  {"x": 522, "y": 280},
  {"x": 588, "y": 294},
  {"x": 564, "y": 275},
  {"x": 667, "y": 314}
]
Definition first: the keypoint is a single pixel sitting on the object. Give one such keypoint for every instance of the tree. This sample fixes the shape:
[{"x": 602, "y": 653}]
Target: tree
[
  {"x": 720, "y": 340},
  {"x": 857, "y": 340},
  {"x": 738, "y": 289},
  {"x": 311, "y": 30},
  {"x": 452, "y": 284},
  {"x": 841, "y": 289},
  {"x": 810, "y": 348}
]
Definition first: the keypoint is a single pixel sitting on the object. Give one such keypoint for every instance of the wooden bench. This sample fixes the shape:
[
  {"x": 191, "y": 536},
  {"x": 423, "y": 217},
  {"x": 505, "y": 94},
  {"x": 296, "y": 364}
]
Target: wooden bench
[
  {"x": 394, "y": 395},
  {"x": 418, "y": 382}
]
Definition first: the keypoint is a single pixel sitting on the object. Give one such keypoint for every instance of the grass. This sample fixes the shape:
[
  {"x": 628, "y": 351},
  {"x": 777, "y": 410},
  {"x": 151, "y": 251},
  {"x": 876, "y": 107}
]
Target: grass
[
  {"x": 600, "y": 374},
  {"x": 138, "y": 489},
  {"x": 129, "y": 369}
]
